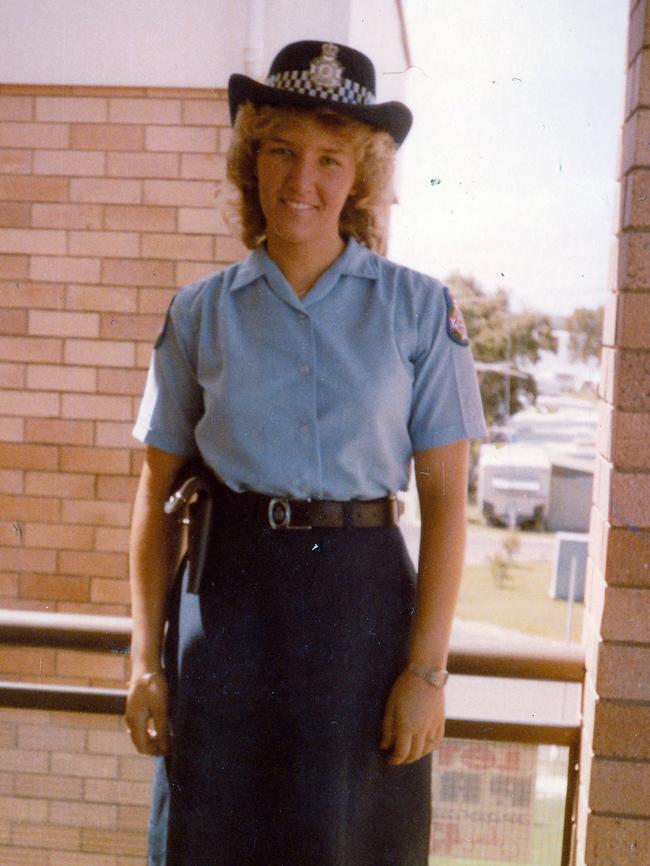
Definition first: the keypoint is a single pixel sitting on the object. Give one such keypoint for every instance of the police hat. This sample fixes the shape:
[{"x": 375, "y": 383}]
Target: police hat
[{"x": 322, "y": 75}]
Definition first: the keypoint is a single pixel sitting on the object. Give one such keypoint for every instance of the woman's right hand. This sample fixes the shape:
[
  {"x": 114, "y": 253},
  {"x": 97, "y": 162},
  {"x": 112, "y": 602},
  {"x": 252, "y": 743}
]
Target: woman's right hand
[{"x": 146, "y": 713}]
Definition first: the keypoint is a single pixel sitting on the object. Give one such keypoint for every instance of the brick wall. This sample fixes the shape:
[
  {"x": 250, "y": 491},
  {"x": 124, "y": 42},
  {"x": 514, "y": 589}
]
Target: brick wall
[
  {"x": 73, "y": 792},
  {"x": 107, "y": 205},
  {"x": 614, "y": 803}
]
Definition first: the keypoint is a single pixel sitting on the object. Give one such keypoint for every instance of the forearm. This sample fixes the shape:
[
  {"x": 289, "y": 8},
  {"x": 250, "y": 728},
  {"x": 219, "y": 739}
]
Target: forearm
[
  {"x": 442, "y": 488},
  {"x": 153, "y": 554}
]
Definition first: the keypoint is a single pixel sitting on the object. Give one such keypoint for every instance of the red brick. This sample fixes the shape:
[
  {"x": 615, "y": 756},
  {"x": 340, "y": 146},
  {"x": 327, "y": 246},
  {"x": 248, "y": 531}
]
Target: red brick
[
  {"x": 8, "y": 586},
  {"x": 16, "y": 161},
  {"x": 145, "y": 110},
  {"x": 68, "y": 485},
  {"x": 17, "y": 108},
  {"x": 13, "y": 375},
  {"x": 620, "y": 787},
  {"x": 113, "y": 540},
  {"x": 29, "y": 294},
  {"x": 67, "y": 216},
  {"x": 28, "y": 457},
  {"x": 191, "y": 272},
  {"x": 636, "y": 211},
  {"x": 29, "y": 508},
  {"x": 143, "y": 355},
  {"x": 96, "y": 512},
  {"x": 129, "y": 382},
  {"x": 212, "y": 112},
  {"x": 623, "y": 672},
  {"x": 118, "y": 791},
  {"x": 23, "y": 660},
  {"x": 11, "y": 429},
  {"x": 633, "y": 331},
  {"x": 140, "y": 218},
  {"x": 66, "y": 110},
  {"x": 13, "y": 322},
  {"x": 225, "y": 139},
  {"x": 32, "y": 349},
  {"x": 203, "y": 166},
  {"x": 100, "y": 353},
  {"x": 634, "y": 261},
  {"x": 152, "y": 165},
  {"x": 626, "y": 615},
  {"x": 194, "y": 220},
  {"x": 126, "y": 272},
  {"x": 96, "y": 406},
  {"x": 194, "y": 193},
  {"x": 33, "y": 189},
  {"x": 61, "y": 378},
  {"x": 95, "y": 665},
  {"x": 103, "y": 461},
  {"x": 11, "y": 481},
  {"x": 57, "y": 838},
  {"x": 613, "y": 841},
  {"x": 631, "y": 433},
  {"x": 115, "y": 842},
  {"x": 107, "y": 190},
  {"x": 229, "y": 249},
  {"x": 49, "y": 588},
  {"x": 194, "y": 139},
  {"x": 133, "y": 817},
  {"x": 117, "y": 488},
  {"x": 178, "y": 246},
  {"x": 113, "y": 434},
  {"x": 34, "y": 135},
  {"x": 93, "y": 766},
  {"x": 129, "y": 327},
  {"x": 63, "y": 324},
  {"x": 14, "y": 214},
  {"x": 115, "y": 244},
  {"x": 106, "y": 136},
  {"x": 630, "y": 499},
  {"x": 21, "y": 856},
  {"x": 14, "y": 267},
  {"x": 83, "y": 815},
  {"x": 72, "y": 163},
  {"x": 621, "y": 730},
  {"x": 65, "y": 270},
  {"x": 41, "y": 404},
  {"x": 32, "y": 241},
  {"x": 632, "y": 373},
  {"x": 627, "y": 559},
  {"x": 638, "y": 34},
  {"x": 54, "y": 431},
  {"x": 101, "y": 298}
]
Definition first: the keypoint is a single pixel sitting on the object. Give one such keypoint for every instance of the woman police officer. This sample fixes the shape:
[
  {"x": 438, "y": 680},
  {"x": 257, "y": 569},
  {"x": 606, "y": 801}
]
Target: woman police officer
[{"x": 302, "y": 687}]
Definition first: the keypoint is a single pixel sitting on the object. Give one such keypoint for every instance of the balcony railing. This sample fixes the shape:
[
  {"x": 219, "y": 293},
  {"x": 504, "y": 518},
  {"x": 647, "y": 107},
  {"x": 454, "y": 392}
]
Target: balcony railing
[{"x": 470, "y": 656}]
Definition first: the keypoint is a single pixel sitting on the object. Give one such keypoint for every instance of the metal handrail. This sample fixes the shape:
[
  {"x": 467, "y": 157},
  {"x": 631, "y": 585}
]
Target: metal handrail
[
  {"x": 471, "y": 653},
  {"x": 522, "y": 657}
]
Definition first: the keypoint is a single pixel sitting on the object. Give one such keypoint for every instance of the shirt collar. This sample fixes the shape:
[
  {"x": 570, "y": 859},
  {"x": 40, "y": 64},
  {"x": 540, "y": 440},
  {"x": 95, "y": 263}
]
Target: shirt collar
[{"x": 355, "y": 260}]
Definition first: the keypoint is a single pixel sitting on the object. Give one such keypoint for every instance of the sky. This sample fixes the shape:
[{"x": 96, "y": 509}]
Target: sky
[{"x": 510, "y": 171}]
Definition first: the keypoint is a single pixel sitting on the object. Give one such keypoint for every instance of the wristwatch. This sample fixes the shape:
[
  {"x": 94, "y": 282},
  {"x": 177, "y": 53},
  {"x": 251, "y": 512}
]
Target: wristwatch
[{"x": 437, "y": 679}]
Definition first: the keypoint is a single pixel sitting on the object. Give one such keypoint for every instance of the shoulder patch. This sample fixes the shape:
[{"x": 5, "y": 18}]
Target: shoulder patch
[
  {"x": 456, "y": 329},
  {"x": 161, "y": 336}
]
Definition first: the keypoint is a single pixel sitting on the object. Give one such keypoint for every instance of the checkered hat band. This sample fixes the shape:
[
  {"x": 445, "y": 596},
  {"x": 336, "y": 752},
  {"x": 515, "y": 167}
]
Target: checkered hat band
[{"x": 299, "y": 81}]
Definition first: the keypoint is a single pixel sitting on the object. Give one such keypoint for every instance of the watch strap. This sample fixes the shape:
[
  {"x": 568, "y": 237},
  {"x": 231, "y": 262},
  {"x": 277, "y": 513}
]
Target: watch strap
[{"x": 435, "y": 678}]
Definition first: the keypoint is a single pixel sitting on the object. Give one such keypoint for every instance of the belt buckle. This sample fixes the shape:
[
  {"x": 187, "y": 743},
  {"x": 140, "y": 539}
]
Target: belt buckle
[{"x": 282, "y": 521}]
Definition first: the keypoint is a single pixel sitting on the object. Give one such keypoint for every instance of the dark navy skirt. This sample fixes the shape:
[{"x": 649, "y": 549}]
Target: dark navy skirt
[{"x": 279, "y": 673}]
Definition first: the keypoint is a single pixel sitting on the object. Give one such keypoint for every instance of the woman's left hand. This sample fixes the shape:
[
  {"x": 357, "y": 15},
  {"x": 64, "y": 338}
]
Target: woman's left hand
[{"x": 414, "y": 719}]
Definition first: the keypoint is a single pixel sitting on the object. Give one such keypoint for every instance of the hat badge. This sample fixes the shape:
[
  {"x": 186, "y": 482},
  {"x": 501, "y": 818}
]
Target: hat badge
[{"x": 325, "y": 70}]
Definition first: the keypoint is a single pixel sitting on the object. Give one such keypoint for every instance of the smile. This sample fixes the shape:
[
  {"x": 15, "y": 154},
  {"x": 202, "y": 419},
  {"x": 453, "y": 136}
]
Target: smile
[{"x": 298, "y": 205}]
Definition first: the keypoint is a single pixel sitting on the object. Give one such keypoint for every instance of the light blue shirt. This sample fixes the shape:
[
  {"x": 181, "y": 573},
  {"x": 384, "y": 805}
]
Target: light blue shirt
[{"x": 325, "y": 397}]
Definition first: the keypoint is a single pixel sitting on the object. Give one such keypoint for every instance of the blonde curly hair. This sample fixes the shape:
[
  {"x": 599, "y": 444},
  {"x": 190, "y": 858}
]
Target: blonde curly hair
[{"x": 365, "y": 213}]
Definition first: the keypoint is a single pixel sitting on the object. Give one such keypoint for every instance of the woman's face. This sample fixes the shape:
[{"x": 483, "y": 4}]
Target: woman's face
[{"x": 305, "y": 173}]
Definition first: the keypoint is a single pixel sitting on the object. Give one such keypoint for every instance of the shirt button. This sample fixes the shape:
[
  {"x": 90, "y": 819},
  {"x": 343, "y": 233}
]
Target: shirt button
[
  {"x": 305, "y": 369},
  {"x": 302, "y": 316},
  {"x": 304, "y": 427}
]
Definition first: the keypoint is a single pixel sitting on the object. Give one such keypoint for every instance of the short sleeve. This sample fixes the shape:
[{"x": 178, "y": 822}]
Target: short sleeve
[
  {"x": 172, "y": 402},
  {"x": 446, "y": 401}
]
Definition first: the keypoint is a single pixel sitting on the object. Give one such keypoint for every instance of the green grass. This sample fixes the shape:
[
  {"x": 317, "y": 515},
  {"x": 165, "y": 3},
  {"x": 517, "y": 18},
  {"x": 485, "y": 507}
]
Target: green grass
[{"x": 522, "y": 602}]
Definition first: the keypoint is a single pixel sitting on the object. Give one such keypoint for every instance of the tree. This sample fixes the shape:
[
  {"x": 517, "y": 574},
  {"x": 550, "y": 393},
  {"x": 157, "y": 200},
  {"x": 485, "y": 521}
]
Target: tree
[
  {"x": 498, "y": 335},
  {"x": 585, "y": 327}
]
